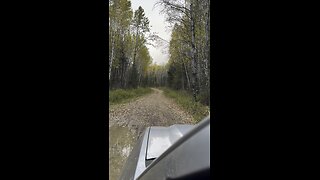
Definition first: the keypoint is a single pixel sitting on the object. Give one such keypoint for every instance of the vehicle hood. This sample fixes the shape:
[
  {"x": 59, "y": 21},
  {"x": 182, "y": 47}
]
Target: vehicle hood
[{"x": 161, "y": 138}]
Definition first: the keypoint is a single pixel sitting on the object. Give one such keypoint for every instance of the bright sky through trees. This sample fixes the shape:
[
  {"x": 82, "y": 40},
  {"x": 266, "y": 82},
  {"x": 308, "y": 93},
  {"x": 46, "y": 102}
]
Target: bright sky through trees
[{"x": 158, "y": 24}]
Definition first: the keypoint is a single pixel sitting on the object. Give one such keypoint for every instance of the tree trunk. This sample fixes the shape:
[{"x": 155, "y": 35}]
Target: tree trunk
[
  {"x": 182, "y": 81},
  {"x": 111, "y": 57},
  {"x": 123, "y": 71},
  {"x": 135, "y": 48},
  {"x": 193, "y": 55},
  {"x": 139, "y": 83},
  {"x": 208, "y": 49},
  {"x": 187, "y": 76}
]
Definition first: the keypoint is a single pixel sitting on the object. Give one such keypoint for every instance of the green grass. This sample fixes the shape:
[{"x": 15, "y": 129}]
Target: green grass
[
  {"x": 185, "y": 100},
  {"x": 123, "y": 95}
]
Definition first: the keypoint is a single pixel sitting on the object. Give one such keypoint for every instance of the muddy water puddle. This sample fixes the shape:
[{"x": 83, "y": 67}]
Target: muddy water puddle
[{"x": 121, "y": 142}]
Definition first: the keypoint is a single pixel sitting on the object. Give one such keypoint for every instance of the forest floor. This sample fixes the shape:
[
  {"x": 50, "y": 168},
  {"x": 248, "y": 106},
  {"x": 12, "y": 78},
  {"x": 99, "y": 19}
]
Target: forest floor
[{"x": 127, "y": 121}]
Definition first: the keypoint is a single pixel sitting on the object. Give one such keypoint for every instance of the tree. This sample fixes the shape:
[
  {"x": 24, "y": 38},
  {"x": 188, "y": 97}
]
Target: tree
[
  {"x": 120, "y": 16},
  {"x": 180, "y": 12},
  {"x": 140, "y": 25},
  {"x": 190, "y": 39}
]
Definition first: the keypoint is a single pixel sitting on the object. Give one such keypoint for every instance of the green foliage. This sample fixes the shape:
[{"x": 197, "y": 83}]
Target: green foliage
[
  {"x": 140, "y": 21},
  {"x": 204, "y": 97},
  {"x": 184, "y": 99},
  {"x": 157, "y": 75},
  {"x": 145, "y": 59},
  {"x": 121, "y": 95},
  {"x": 189, "y": 60},
  {"x": 129, "y": 57},
  {"x": 133, "y": 79}
]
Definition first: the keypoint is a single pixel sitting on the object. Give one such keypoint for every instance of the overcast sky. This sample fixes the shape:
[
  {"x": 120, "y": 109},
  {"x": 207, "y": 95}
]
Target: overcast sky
[{"x": 157, "y": 21}]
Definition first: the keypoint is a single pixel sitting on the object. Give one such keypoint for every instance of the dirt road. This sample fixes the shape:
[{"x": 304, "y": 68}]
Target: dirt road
[{"x": 128, "y": 121}]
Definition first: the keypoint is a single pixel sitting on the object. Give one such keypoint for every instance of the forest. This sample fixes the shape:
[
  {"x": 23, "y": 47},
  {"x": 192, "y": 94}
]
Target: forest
[{"x": 188, "y": 66}]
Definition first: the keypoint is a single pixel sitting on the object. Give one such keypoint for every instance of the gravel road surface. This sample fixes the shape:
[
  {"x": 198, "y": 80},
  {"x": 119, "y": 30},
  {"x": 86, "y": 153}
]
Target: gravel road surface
[{"x": 127, "y": 121}]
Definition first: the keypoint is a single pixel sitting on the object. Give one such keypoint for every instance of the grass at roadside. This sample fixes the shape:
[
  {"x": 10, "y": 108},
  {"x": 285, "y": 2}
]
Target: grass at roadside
[
  {"x": 185, "y": 100},
  {"x": 123, "y": 95}
]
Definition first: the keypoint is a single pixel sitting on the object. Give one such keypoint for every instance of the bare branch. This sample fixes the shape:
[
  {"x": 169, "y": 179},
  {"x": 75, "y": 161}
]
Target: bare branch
[{"x": 171, "y": 4}]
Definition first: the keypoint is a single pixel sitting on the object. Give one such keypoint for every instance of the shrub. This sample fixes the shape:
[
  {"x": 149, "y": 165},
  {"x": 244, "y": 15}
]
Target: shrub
[
  {"x": 185, "y": 100},
  {"x": 121, "y": 95}
]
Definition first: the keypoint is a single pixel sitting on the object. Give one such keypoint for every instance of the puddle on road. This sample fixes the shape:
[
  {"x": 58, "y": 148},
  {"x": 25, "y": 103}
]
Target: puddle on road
[{"x": 121, "y": 142}]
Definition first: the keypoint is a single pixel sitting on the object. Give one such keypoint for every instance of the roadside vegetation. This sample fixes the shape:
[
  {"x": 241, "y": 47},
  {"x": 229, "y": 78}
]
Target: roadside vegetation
[
  {"x": 123, "y": 95},
  {"x": 185, "y": 100}
]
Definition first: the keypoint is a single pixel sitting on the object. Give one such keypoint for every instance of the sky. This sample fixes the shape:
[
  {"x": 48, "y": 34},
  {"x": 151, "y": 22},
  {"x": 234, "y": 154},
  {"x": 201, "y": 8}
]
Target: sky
[{"x": 157, "y": 21}]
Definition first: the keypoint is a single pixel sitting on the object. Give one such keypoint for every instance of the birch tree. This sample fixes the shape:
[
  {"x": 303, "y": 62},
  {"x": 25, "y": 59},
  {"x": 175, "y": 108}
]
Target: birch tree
[
  {"x": 120, "y": 16},
  {"x": 191, "y": 21}
]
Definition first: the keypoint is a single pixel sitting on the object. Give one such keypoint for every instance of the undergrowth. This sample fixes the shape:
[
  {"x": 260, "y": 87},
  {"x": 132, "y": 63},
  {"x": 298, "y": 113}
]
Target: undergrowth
[
  {"x": 122, "y": 95},
  {"x": 185, "y": 100}
]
